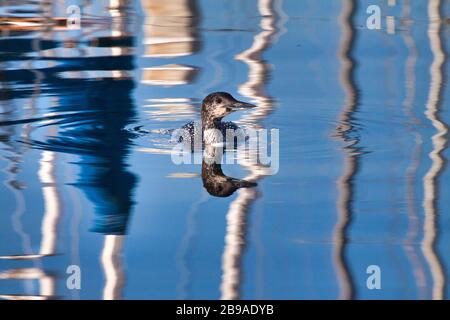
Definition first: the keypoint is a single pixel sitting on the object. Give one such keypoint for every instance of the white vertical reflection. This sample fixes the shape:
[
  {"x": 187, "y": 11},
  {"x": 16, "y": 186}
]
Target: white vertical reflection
[
  {"x": 111, "y": 256},
  {"x": 111, "y": 259},
  {"x": 439, "y": 142},
  {"x": 344, "y": 183},
  {"x": 51, "y": 203},
  {"x": 235, "y": 241},
  {"x": 408, "y": 103},
  {"x": 236, "y": 232},
  {"x": 254, "y": 87},
  {"x": 48, "y": 229}
]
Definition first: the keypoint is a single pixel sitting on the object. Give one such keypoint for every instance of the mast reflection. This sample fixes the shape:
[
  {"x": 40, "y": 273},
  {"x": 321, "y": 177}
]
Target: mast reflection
[
  {"x": 345, "y": 132},
  {"x": 272, "y": 19},
  {"x": 408, "y": 103},
  {"x": 439, "y": 142}
]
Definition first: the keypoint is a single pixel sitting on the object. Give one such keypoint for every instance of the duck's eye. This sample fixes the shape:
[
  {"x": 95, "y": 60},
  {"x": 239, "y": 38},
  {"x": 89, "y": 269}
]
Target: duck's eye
[{"x": 218, "y": 100}]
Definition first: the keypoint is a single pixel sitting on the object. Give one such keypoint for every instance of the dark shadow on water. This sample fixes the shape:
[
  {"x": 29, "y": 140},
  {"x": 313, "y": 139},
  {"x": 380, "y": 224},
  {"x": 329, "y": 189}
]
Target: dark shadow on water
[
  {"x": 103, "y": 146},
  {"x": 215, "y": 181},
  {"x": 90, "y": 116}
]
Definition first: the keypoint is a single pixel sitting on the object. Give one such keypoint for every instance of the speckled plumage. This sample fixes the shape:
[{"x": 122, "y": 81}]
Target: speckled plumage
[
  {"x": 211, "y": 129},
  {"x": 193, "y": 129}
]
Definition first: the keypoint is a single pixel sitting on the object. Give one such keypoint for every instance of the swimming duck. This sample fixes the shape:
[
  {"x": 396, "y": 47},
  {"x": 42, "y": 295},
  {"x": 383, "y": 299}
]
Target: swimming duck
[{"x": 212, "y": 129}]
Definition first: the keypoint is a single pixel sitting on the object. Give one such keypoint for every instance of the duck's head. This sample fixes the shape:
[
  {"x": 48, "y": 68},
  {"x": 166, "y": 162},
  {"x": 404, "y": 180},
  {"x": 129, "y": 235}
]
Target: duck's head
[{"x": 219, "y": 104}]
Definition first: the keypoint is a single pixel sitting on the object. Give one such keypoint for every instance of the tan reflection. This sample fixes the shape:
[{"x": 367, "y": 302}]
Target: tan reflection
[
  {"x": 111, "y": 260},
  {"x": 14, "y": 24},
  {"x": 254, "y": 88},
  {"x": 155, "y": 151},
  {"x": 408, "y": 103},
  {"x": 345, "y": 184},
  {"x": 168, "y": 109},
  {"x": 44, "y": 19},
  {"x": 101, "y": 39},
  {"x": 439, "y": 141},
  {"x": 120, "y": 28},
  {"x": 170, "y": 28},
  {"x": 169, "y": 75},
  {"x": 21, "y": 297},
  {"x": 46, "y": 283},
  {"x": 170, "y": 31}
]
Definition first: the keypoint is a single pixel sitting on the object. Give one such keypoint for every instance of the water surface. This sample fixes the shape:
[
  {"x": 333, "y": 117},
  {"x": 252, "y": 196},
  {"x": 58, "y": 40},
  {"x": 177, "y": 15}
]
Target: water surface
[{"x": 88, "y": 180}]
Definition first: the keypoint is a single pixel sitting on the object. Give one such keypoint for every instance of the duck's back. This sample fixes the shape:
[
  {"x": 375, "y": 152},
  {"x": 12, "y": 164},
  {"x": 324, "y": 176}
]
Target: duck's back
[{"x": 191, "y": 133}]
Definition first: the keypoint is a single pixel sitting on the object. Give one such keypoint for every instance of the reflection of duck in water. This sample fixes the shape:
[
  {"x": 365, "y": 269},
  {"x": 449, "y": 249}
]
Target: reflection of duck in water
[
  {"x": 211, "y": 129},
  {"x": 214, "y": 181}
]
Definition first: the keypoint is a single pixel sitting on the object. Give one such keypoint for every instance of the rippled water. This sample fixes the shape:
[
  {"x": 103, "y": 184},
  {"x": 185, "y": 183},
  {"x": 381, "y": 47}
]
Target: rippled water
[{"x": 88, "y": 180}]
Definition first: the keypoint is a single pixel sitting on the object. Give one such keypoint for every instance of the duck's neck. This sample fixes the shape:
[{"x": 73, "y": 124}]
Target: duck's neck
[
  {"x": 210, "y": 123},
  {"x": 211, "y": 130}
]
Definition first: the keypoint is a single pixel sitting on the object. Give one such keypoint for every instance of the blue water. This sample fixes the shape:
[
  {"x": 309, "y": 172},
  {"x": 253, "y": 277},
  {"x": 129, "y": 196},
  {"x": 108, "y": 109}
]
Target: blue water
[{"x": 87, "y": 179}]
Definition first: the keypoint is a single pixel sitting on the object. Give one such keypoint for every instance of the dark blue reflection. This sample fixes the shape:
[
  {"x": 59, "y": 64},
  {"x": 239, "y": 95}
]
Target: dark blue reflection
[
  {"x": 103, "y": 146},
  {"x": 90, "y": 116}
]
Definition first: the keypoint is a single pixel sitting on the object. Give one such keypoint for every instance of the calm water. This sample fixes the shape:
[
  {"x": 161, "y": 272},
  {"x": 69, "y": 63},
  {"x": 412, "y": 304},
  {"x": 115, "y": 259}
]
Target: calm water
[{"x": 87, "y": 179}]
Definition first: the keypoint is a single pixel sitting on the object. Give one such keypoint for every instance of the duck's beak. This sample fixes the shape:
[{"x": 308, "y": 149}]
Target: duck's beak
[{"x": 238, "y": 105}]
